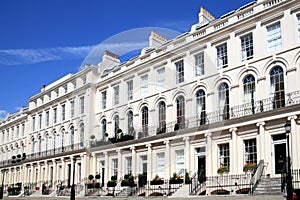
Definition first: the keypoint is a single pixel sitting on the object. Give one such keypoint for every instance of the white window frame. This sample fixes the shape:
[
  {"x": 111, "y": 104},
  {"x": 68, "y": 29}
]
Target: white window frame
[
  {"x": 128, "y": 165},
  {"x": 144, "y": 85},
  {"x": 222, "y": 56},
  {"x": 82, "y": 105},
  {"x": 274, "y": 38},
  {"x": 72, "y": 109},
  {"x": 103, "y": 99},
  {"x": 160, "y": 163},
  {"x": 161, "y": 79},
  {"x": 130, "y": 90},
  {"x": 247, "y": 46},
  {"x": 199, "y": 64},
  {"x": 179, "y": 71},
  {"x": 116, "y": 95},
  {"x": 179, "y": 161}
]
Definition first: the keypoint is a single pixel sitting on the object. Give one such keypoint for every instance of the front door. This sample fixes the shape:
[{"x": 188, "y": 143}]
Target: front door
[
  {"x": 201, "y": 168},
  {"x": 279, "y": 157}
]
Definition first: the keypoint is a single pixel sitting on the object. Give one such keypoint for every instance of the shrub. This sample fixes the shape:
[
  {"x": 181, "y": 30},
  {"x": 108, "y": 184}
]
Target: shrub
[{"x": 91, "y": 177}]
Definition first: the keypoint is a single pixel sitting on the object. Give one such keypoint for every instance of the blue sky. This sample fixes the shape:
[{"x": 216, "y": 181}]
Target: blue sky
[{"x": 43, "y": 40}]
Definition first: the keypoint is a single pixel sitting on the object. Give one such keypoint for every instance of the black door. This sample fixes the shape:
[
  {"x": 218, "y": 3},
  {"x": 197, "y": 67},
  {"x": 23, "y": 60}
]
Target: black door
[
  {"x": 102, "y": 178},
  {"x": 280, "y": 157},
  {"x": 201, "y": 168},
  {"x": 69, "y": 175}
]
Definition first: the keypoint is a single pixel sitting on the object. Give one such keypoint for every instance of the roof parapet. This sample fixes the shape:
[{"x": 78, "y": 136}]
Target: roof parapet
[
  {"x": 204, "y": 18},
  {"x": 109, "y": 60}
]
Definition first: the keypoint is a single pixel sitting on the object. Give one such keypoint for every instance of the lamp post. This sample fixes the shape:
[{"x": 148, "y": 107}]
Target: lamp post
[
  {"x": 2, "y": 187},
  {"x": 289, "y": 184},
  {"x": 72, "y": 195}
]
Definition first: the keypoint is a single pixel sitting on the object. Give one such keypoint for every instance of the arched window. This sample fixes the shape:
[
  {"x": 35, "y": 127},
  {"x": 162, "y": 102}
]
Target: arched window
[
  {"x": 145, "y": 119},
  {"x": 72, "y": 135},
  {"x": 249, "y": 94},
  {"x": 63, "y": 140},
  {"x": 130, "y": 122},
  {"x": 277, "y": 87},
  {"x": 40, "y": 146},
  {"x": 201, "y": 107},
  {"x": 81, "y": 135},
  {"x": 180, "y": 111},
  {"x": 116, "y": 124},
  {"x": 161, "y": 117},
  {"x": 223, "y": 101},
  {"x": 103, "y": 126},
  {"x": 47, "y": 143}
]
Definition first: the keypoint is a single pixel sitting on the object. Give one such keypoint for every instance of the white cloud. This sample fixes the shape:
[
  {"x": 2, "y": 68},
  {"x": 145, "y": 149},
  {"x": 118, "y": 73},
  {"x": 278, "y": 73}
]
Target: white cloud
[
  {"x": 3, "y": 114},
  {"x": 32, "y": 56}
]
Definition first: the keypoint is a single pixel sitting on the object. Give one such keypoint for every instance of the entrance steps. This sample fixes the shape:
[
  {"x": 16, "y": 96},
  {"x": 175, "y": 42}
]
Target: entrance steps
[
  {"x": 184, "y": 191},
  {"x": 268, "y": 186}
]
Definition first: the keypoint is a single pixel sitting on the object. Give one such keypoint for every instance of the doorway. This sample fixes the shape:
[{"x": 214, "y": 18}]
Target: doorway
[
  {"x": 279, "y": 158},
  {"x": 201, "y": 168}
]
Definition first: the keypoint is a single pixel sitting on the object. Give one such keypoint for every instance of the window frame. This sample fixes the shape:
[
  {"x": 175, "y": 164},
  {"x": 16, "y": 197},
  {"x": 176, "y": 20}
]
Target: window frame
[
  {"x": 199, "y": 64},
  {"x": 222, "y": 56},
  {"x": 247, "y": 48},
  {"x": 179, "y": 66}
]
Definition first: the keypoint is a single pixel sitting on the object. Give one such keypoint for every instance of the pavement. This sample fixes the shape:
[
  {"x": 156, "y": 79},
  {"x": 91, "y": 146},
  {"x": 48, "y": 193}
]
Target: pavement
[{"x": 236, "y": 197}]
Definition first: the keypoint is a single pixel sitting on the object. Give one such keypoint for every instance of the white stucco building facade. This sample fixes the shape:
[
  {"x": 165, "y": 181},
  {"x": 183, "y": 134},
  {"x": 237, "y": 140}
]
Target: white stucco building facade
[{"x": 212, "y": 100}]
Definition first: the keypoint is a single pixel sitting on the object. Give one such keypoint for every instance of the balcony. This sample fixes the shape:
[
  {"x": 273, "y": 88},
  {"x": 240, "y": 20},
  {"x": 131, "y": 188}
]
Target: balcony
[
  {"x": 52, "y": 152},
  {"x": 229, "y": 113}
]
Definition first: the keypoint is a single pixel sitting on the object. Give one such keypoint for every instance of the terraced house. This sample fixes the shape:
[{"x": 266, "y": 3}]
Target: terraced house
[{"x": 203, "y": 113}]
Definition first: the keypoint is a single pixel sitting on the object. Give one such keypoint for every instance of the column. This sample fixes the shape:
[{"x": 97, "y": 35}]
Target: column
[
  {"x": 46, "y": 172},
  {"x": 32, "y": 173},
  {"x": 261, "y": 142},
  {"x": 15, "y": 176},
  {"x": 149, "y": 162},
  {"x": 23, "y": 176},
  {"x": 94, "y": 168},
  {"x": 167, "y": 159},
  {"x": 39, "y": 178},
  {"x": 120, "y": 173},
  {"x": 294, "y": 142},
  {"x": 187, "y": 153},
  {"x": 233, "y": 152},
  {"x": 133, "y": 164},
  {"x": 72, "y": 169},
  {"x": 106, "y": 164},
  {"x": 208, "y": 149},
  {"x": 62, "y": 169},
  {"x": 54, "y": 174}
]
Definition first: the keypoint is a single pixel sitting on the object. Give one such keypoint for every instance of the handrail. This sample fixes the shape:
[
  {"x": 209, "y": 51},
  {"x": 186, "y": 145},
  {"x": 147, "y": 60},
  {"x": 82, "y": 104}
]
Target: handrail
[{"x": 257, "y": 176}]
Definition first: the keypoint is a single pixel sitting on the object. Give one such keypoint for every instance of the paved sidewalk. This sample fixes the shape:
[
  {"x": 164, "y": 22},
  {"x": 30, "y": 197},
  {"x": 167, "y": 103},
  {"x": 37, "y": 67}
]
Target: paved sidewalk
[{"x": 238, "y": 197}]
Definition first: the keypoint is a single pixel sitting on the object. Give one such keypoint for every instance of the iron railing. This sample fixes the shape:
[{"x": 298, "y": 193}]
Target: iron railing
[
  {"x": 257, "y": 176},
  {"x": 41, "y": 154}
]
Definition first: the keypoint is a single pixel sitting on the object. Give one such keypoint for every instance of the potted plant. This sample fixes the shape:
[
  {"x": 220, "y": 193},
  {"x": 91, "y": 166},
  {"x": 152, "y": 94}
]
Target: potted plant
[
  {"x": 223, "y": 169},
  {"x": 176, "y": 127},
  {"x": 187, "y": 178},
  {"x": 175, "y": 179},
  {"x": 19, "y": 158},
  {"x": 142, "y": 179},
  {"x": 112, "y": 182},
  {"x": 157, "y": 180},
  {"x": 250, "y": 167}
]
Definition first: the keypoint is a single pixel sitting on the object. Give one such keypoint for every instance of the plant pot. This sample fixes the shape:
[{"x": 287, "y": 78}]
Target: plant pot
[{"x": 156, "y": 182}]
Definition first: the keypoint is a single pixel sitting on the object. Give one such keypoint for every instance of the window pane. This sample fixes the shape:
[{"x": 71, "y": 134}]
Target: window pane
[
  {"x": 199, "y": 64},
  {"x": 179, "y": 72},
  {"x": 247, "y": 47},
  {"x": 222, "y": 61}
]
